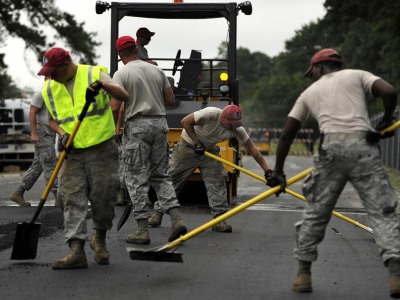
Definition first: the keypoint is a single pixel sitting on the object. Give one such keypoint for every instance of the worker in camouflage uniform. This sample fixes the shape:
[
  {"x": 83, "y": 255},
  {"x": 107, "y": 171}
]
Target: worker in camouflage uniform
[
  {"x": 45, "y": 159},
  {"x": 348, "y": 152},
  {"x": 203, "y": 129},
  {"x": 144, "y": 142}
]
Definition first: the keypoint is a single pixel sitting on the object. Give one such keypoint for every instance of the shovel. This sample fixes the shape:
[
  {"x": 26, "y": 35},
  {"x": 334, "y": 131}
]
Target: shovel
[
  {"x": 301, "y": 197},
  {"x": 162, "y": 254},
  {"x": 27, "y": 234},
  {"x": 127, "y": 211}
]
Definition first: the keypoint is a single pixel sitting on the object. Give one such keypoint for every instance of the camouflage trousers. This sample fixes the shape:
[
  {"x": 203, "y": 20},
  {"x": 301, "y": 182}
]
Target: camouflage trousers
[
  {"x": 359, "y": 163},
  {"x": 145, "y": 156},
  {"x": 184, "y": 162},
  {"x": 45, "y": 160},
  {"x": 89, "y": 175}
]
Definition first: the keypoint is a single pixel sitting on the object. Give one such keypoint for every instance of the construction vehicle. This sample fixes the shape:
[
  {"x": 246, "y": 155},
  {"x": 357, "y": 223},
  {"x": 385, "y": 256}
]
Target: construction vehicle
[
  {"x": 15, "y": 139},
  {"x": 261, "y": 139},
  {"x": 203, "y": 81}
]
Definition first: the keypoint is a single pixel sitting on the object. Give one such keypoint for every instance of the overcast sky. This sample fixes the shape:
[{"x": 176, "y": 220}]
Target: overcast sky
[{"x": 266, "y": 30}]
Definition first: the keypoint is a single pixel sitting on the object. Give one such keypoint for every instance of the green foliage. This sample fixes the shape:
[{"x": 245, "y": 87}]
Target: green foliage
[
  {"x": 366, "y": 34},
  {"x": 27, "y": 19}
]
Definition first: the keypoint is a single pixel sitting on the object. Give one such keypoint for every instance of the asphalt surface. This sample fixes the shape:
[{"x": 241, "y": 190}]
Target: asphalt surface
[{"x": 255, "y": 261}]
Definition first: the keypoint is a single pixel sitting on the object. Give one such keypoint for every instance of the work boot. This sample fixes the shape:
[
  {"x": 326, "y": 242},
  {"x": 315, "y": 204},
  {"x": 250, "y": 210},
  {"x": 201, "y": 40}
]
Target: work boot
[
  {"x": 393, "y": 265},
  {"x": 394, "y": 286},
  {"x": 76, "y": 258},
  {"x": 178, "y": 228},
  {"x": 222, "y": 226},
  {"x": 141, "y": 236},
  {"x": 156, "y": 219},
  {"x": 98, "y": 245},
  {"x": 18, "y": 197},
  {"x": 302, "y": 284}
]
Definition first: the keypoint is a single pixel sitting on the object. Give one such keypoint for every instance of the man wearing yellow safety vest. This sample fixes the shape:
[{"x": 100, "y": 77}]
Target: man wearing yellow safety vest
[{"x": 90, "y": 174}]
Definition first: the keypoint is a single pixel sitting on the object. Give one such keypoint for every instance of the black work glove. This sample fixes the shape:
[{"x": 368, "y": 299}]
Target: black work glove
[
  {"x": 268, "y": 174},
  {"x": 278, "y": 178},
  {"x": 383, "y": 124},
  {"x": 62, "y": 143},
  {"x": 199, "y": 148},
  {"x": 93, "y": 90}
]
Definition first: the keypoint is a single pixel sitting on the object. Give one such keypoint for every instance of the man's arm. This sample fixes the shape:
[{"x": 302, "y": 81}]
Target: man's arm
[
  {"x": 115, "y": 108},
  {"x": 290, "y": 130},
  {"x": 252, "y": 149},
  {"x": 188, "y": 123},
  {"x": 33, "y": 111},
  {"x": 384, "y": 90},
  {"x": 169, "y": 97},
  {"x": 115, "y": 90},
  {"x": 120, "y": 119},
  {"x": 54, "y": 126},
  {"x": 151, "y": 62}
]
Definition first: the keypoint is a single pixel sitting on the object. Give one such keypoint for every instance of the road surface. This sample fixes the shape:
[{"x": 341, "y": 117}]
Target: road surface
[{"x": 254, "y": 262}]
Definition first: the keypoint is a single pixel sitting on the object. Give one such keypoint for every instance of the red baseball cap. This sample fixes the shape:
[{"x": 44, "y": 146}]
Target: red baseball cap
[
  {"x": 124, "y": 42},
  {"x": 232, "y": 113},
  {"x": 323, "y": 55},
  {"x": 144, "y": 32},
  {"x": 52, "y": 58}
]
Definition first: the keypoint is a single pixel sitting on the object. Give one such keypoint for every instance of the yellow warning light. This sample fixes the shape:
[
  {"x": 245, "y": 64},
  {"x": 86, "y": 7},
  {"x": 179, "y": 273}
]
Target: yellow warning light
[{"x": 223, "y": 76}]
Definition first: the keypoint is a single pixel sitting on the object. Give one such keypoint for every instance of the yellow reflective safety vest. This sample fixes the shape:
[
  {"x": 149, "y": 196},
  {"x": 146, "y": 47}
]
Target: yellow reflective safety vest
[{"x": 98, "y": 124}]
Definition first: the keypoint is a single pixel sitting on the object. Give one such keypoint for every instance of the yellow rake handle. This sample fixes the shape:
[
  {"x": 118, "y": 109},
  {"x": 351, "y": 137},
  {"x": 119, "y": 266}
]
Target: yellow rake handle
[
  {"x": 301, "y": 197},
  {"x": 234, "y": 211},
  {"x": 392, "y": 127}
]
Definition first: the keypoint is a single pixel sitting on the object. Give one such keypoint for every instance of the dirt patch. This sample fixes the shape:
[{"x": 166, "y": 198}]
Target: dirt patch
[{"x": 51, "y": 223}]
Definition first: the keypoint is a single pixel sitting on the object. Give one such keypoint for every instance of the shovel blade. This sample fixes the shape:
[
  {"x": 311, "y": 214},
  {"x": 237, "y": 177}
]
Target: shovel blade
[
  {"x": 26, "y": 241},
  {"x": 124, "y": 216},
  {"x": 153, "y": 255}
]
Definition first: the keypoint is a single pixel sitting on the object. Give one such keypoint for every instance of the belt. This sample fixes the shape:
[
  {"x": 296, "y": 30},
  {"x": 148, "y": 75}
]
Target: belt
[
  {"x": 139, "y": 116},
  {"x": 340, "y": 136}
]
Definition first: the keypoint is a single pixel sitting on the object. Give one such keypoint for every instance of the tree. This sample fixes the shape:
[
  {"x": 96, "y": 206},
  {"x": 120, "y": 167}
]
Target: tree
[{"x": 27, "y": 19}]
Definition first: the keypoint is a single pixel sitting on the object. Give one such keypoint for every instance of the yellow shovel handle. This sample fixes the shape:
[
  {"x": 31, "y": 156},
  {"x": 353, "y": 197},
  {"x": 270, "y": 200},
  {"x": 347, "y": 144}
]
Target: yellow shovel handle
[
  {"x": 336, "y": 214},
  {"x": 234, "y": 211}
]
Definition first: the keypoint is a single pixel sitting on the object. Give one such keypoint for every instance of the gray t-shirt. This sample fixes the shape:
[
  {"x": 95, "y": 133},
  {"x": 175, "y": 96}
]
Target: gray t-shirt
[
  {"x": 145, "y": 84},
  {"x": 41, "y": 116},
  {"x": 142, "y": 52},
  {"x": 209, "y": 129},
  {"x": 338, "y": 101}
]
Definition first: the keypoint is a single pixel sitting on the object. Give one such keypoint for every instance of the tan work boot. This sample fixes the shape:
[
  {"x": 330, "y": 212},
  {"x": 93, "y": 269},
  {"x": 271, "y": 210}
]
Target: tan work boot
[
  {"x": 178, "y": 228},
  {"x": 222, "y": 226},
  {"x": 156, "y": 219},
  {"x": 76, "y": 258},
  {"x": 18, "y": 197},
  {"x": 302, "y": 284},
  {"x": 393, "y": 265},
  {"x": 394, "y": 286},
  {"x": 141, "y": 236},
  {"x": 98, "y": 245}
]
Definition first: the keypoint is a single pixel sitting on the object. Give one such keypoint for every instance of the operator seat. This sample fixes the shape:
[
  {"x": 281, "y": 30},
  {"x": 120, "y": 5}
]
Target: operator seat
[{"x": 190, "y": 76}]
